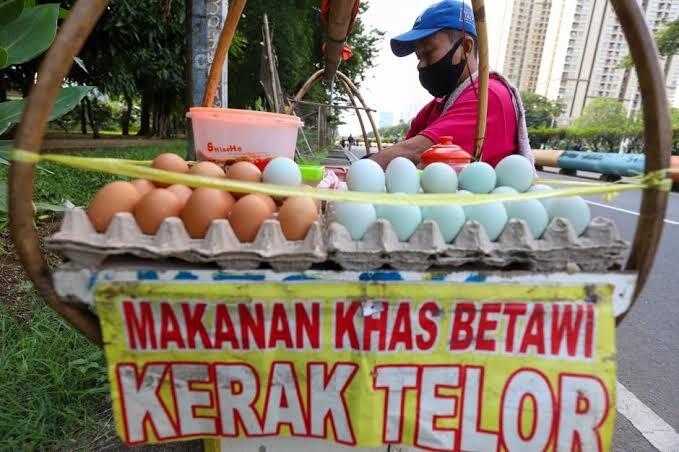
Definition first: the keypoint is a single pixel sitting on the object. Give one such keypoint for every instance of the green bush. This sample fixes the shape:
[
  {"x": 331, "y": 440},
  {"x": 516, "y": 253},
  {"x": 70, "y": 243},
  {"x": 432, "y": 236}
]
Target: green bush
[{"x": 595, "y": 140}]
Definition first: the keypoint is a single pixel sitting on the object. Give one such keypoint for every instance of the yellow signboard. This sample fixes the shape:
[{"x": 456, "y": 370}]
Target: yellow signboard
[{"x": 448, "y": 366}]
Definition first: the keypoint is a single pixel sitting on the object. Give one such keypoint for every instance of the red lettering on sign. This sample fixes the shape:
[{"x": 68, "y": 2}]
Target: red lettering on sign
[
  {"x": 487, "y": 325},
  {"x": 376, "y": 323},
  {"x": 428, "y": 311},
  {"x": 534, "y": 333},
  {"x": 308, "y": 327},
  {"x": 169, "y": 328},
  {"x": 280, "y": 330},
  {"x": 195, "y": 325},
  {"x": 566, "y": 329},
  {"x": 224, "y": 329},
  {"x": 251, "y": 326},
  {"x": 141, "y": 334},
  {"x": 512, "y": 310},
  {"x": 402, "y": 330},
  {"x": 462, "y": 332},
  {"x": 345, "y": 326}
]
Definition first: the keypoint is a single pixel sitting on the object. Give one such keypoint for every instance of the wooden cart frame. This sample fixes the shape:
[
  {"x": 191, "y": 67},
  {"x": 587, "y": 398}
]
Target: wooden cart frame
[{"x": 85, "y": 14}]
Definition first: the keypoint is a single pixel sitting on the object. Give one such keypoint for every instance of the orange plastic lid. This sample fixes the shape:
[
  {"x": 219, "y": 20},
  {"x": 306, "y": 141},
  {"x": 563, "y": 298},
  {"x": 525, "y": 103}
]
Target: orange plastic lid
[{"x": 446, "y": 152}]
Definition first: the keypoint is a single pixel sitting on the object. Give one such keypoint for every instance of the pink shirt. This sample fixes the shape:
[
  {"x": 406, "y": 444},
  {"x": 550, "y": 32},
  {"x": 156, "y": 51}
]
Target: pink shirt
[{"x": 460, "y": 122}]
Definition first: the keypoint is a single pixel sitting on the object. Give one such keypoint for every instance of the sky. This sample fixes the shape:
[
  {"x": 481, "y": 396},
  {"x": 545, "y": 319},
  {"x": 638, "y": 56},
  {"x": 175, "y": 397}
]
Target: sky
[{"x": 392, "y": 84}]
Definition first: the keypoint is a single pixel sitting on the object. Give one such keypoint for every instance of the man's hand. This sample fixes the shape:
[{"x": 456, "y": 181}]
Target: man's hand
[{"x": 410, "y": 149}]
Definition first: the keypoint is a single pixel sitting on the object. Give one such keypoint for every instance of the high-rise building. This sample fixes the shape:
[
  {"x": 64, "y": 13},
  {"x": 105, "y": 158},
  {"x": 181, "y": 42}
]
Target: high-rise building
[
  {"x": 526, "y": 40},
  {"x": 584, "y": 49}
]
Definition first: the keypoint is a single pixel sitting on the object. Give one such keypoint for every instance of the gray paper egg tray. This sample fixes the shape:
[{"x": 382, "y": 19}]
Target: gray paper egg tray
[
  {"x": 599, "y": 248},
  {"x": 80, "y": 243}
]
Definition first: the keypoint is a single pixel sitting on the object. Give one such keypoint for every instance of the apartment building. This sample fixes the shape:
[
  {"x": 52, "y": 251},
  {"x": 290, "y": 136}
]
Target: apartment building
[{"x": 525, "y": 42}]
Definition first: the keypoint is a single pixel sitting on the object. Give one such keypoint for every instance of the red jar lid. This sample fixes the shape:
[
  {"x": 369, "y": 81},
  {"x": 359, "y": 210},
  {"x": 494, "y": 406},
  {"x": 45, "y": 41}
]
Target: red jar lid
[{"x": 446, "y": 152}]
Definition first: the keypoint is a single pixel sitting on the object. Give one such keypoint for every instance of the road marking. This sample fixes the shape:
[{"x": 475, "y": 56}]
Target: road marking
[
  {"x": 658, "y": 432},
  {"x": 631, "y": 212}
]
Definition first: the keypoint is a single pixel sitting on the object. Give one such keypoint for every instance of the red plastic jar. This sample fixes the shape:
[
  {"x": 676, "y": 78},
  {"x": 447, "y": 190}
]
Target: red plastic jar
[{"x": 447, "y": 152}]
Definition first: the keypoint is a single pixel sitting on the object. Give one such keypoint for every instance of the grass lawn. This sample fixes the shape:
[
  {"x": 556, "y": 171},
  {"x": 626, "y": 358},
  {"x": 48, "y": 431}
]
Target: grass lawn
[{"x": 53, "y": 387}]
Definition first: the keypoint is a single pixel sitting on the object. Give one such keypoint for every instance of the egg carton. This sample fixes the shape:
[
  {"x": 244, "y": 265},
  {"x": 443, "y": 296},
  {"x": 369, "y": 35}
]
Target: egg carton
[
  {"x": 599, "y": 248},
  {"x": 78, "y": 241}
]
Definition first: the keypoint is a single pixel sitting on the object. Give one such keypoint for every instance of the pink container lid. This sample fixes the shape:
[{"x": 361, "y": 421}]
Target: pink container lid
[{"x": 237, "y": 115}]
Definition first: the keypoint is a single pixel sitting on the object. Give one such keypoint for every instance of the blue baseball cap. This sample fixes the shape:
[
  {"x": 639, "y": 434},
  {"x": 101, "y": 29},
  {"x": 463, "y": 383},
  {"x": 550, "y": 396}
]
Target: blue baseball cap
[{"x": 452, "y": 14}]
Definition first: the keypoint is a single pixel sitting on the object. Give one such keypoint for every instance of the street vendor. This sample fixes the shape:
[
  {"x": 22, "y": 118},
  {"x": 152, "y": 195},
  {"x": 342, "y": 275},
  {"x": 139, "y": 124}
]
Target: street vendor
[{"x": 444, "y": 40}]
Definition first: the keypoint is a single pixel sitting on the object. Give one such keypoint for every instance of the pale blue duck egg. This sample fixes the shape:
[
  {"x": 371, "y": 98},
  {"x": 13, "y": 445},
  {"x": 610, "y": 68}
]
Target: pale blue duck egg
[
  {"x": 402, "y": 176},
  {"x": 574, "y": 209},
  {"x": 540, "y": 187},
  {"x": 478, "y": 177},
  {"x": 515, "y": 171},
  {"x": 439, "y": 178},
  {"x": 366, "y": 176},
  {"x": 403, "y": 218},
  {"x": 356, "y": 217},
  {"x": 282, "y": 171},
  {"x": 492, "y": 216},
  {"x": 449, "y": 217},
  {"x": 532, "y": 212}
]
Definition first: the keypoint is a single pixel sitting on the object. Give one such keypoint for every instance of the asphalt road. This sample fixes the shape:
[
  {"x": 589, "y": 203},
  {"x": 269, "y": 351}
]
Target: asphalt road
[{"x": 648, "y": 339}]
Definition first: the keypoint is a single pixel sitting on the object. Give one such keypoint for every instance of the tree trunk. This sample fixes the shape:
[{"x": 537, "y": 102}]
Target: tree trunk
[
  {"x": 145, "y": 126},
  {"x": 83, "y": 118},
  {"x": 90, "y": 119},
  {"x": 161, "y": 117},
  {"x": 127, "y": 114}
]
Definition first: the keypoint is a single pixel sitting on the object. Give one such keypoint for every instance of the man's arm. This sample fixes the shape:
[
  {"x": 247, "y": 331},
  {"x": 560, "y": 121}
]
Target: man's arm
[{"x": 410, "y": 149}]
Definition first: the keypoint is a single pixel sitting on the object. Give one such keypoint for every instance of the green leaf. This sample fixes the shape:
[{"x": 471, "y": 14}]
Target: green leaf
[
  {"x": 63, "y": 13},
  {"x": 68, "y": 98},
  {"x": 29, "y": 3},
  {"x": 10, "y": 10},
  {"x": 3, "y": 58},
  {"x": 30, "y": 34},
  {"x": 3, "y": 197}
]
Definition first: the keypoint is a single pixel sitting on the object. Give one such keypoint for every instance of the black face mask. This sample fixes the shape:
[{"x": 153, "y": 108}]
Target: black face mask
[{"x": 440, "y": 78}]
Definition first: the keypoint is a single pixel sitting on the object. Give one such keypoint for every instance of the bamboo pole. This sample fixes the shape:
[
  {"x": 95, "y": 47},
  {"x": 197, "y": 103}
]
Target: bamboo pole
[
  {"x": 376, "y": 131},
  {"x": 352, "y": 98},
  {"x": 484, "y": 69},
  {"x": 225, "y": 38}
]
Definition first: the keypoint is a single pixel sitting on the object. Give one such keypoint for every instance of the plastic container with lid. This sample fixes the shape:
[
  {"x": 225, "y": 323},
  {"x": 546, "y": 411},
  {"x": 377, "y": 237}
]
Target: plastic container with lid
[
  {"x": 447, "y": 152},
  {"x": 226, "y": 135}
]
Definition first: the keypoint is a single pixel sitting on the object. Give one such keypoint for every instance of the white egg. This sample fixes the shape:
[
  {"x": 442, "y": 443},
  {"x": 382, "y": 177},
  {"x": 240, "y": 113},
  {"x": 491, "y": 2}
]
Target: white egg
[
  {"x": 478, "y": 177},
  {"x": 492, "y": 216},
  {"x": 515, "y": 171},
  {"x": 574, "y": 209},
  {"x": 402, "y": 176},
  {"x": 282, "y": 171},
  {"x": 532, "y": 212},
  {"x": 366, "y": 176},
  {"x": 540, "y": 187},
  {"x": 439, "y": 178},
  {"x": 449, "y": 217},
  {"x": 356, "y": 217},
  {"x": 404, "y": 219}
]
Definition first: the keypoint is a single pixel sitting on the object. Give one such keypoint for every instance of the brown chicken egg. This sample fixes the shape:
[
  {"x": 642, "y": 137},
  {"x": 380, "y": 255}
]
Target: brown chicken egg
[
  {"x": 154, "y": 208},
  {"x": 296, "y": 217},
  {"x": 248, "y": 215},
  {"x": 111, "y": 199},
  {"x": 269, "y": 202},
  {"x": 170, "y": 162},
  {"x": 182, "y": 192},
  {"x": 144, "y": 186},
  {"x": 204, "y": 206},
  {"x": 207, "y": 169},
  {"x": 244, "y": 171},
  {"x": 317, "y": 201}
]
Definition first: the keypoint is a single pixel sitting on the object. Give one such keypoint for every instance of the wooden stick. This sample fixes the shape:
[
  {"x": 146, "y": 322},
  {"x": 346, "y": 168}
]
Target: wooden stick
[
  {"x": 376, "y": 131},
  {"x": 54, "y": 67},
  {"x": 304, "y": 90},
  {"x": 352, "y": 98},
  {"x": 230, "y": 25},
  {"x": 657, "y": 136},
  {"x": 484, "y": 69}
]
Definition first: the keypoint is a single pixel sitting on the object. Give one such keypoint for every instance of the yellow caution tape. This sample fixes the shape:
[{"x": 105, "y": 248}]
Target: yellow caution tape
[{"x": 137, "y": 169}]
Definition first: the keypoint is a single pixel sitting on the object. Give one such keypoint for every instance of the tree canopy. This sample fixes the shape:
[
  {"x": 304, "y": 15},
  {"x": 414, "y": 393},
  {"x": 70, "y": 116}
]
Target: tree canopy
[{"x": 540, "y": 111}]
